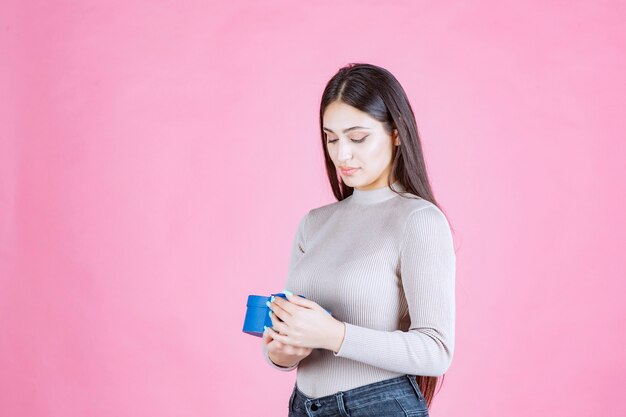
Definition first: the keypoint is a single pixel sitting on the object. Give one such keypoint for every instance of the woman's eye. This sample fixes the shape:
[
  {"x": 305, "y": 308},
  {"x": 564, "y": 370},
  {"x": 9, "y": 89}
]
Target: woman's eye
[{"x": 353, "y": 140}]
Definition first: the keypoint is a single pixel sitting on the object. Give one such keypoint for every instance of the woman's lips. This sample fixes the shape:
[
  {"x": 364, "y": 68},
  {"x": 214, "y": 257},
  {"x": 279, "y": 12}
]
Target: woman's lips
[{"x": 348, "y": 171}]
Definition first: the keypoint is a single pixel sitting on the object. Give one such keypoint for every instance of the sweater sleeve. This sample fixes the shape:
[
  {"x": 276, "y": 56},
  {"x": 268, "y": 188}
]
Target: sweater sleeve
[
  {"x": 297, "y": 250},
  {"x": 427, "y": 268}
]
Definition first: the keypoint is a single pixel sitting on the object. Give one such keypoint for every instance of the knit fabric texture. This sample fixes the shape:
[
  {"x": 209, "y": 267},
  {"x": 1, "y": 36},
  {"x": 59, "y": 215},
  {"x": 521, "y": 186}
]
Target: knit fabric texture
[{"x": 384, "y": 264}]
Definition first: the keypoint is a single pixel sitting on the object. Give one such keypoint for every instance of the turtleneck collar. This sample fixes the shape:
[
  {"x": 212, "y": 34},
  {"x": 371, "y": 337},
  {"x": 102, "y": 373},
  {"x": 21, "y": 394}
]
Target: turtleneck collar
[{"x": 376, "y": 195}]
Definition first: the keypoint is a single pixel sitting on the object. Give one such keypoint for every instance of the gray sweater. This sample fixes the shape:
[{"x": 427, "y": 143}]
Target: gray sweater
[{"x": 384, "y": 265}]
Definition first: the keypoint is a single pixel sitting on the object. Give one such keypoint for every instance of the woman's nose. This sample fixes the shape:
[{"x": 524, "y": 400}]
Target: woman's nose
[{"x": 344, "y": 153}]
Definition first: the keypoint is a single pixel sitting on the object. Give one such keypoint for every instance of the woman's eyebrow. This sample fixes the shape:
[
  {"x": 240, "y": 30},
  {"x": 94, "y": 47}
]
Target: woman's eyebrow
[{"x": 348, "y": 129}]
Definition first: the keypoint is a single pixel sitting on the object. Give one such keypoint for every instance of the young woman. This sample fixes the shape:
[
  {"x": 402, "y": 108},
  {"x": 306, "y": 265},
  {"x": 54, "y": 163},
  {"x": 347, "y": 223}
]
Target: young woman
[{"x": 381, "y": 259}]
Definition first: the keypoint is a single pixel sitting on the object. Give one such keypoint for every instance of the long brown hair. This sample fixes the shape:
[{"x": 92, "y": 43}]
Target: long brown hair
[{"x": 376, "y": 91}]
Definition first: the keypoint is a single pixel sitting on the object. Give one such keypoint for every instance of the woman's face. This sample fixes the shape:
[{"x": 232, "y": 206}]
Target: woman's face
[{"x": 354, "y": 139}]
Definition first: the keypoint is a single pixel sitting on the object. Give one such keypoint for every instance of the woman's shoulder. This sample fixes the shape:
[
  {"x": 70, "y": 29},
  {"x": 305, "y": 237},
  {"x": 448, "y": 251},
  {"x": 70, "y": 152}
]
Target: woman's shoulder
[
  {"x": 324, "y": 211},
  {"x": 407, "y": 207},
  {"x": 404, "y": 204},
  {"x": 402, "y": 208},
  {"x": 409, "y": 203}
]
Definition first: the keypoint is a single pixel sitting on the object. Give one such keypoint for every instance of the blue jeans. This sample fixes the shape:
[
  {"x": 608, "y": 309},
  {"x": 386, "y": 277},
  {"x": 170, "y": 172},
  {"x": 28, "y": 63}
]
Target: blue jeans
[{"x": 396, "y": 397}]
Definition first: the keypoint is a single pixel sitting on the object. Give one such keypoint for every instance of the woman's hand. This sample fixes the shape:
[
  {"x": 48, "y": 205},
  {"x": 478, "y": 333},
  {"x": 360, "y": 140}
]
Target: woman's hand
[
  {"x": 284, "y": 355},
  {"x": 303, "y": 323}
]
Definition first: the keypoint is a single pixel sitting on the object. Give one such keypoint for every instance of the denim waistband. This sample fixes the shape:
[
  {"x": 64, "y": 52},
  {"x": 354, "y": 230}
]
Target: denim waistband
[{"x": 337, "y": 403}]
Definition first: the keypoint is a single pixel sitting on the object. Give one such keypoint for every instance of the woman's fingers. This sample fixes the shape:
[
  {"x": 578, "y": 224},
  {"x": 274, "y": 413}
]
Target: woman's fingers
[
  {"x": 279, "y": 311},
  {"x": 274, "y": 335},
  {"x": 277, "y": 325}
]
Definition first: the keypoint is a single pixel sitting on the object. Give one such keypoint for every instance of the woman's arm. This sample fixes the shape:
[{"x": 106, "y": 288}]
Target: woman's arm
[
  {"x": 297, "y": 250},
  {"x": 428, "y": 267}
]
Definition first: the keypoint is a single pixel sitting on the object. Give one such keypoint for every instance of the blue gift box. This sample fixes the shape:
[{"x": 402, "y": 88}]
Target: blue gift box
[{"x": 257, "y": 314}]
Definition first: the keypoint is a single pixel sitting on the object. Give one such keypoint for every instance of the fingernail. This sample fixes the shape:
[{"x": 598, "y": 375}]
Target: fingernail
[
  {"x": 267, "y": 303},
  {"x": 272, "y": 299},
  {"x": 270, "y": 313},
  {"x": 287, "y": 292},
  {"x": 264, "y": 328}
]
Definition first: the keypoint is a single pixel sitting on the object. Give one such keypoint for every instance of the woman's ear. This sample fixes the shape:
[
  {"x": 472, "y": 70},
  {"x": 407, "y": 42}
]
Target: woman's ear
[{"x": 395, "y": 137}]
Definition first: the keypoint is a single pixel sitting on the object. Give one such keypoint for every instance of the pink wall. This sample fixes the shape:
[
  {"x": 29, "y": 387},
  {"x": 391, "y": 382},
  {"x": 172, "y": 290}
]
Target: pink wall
[{"x": 155, "y": 158}]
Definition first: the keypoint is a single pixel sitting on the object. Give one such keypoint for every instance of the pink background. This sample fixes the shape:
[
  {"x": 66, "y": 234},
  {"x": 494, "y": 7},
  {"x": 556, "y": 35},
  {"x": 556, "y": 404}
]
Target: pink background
[{"x": 155, "y": 157}]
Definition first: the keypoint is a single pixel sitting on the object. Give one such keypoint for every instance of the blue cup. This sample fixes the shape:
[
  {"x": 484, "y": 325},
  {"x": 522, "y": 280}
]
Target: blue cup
[{"x": 257, "y": 314}]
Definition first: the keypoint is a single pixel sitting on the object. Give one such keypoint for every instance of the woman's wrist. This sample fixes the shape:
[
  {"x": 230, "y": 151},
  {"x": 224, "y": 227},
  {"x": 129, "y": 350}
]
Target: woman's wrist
[
  {"x": 269, "y": 355},
  {"x": 337, "y": 334}
]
